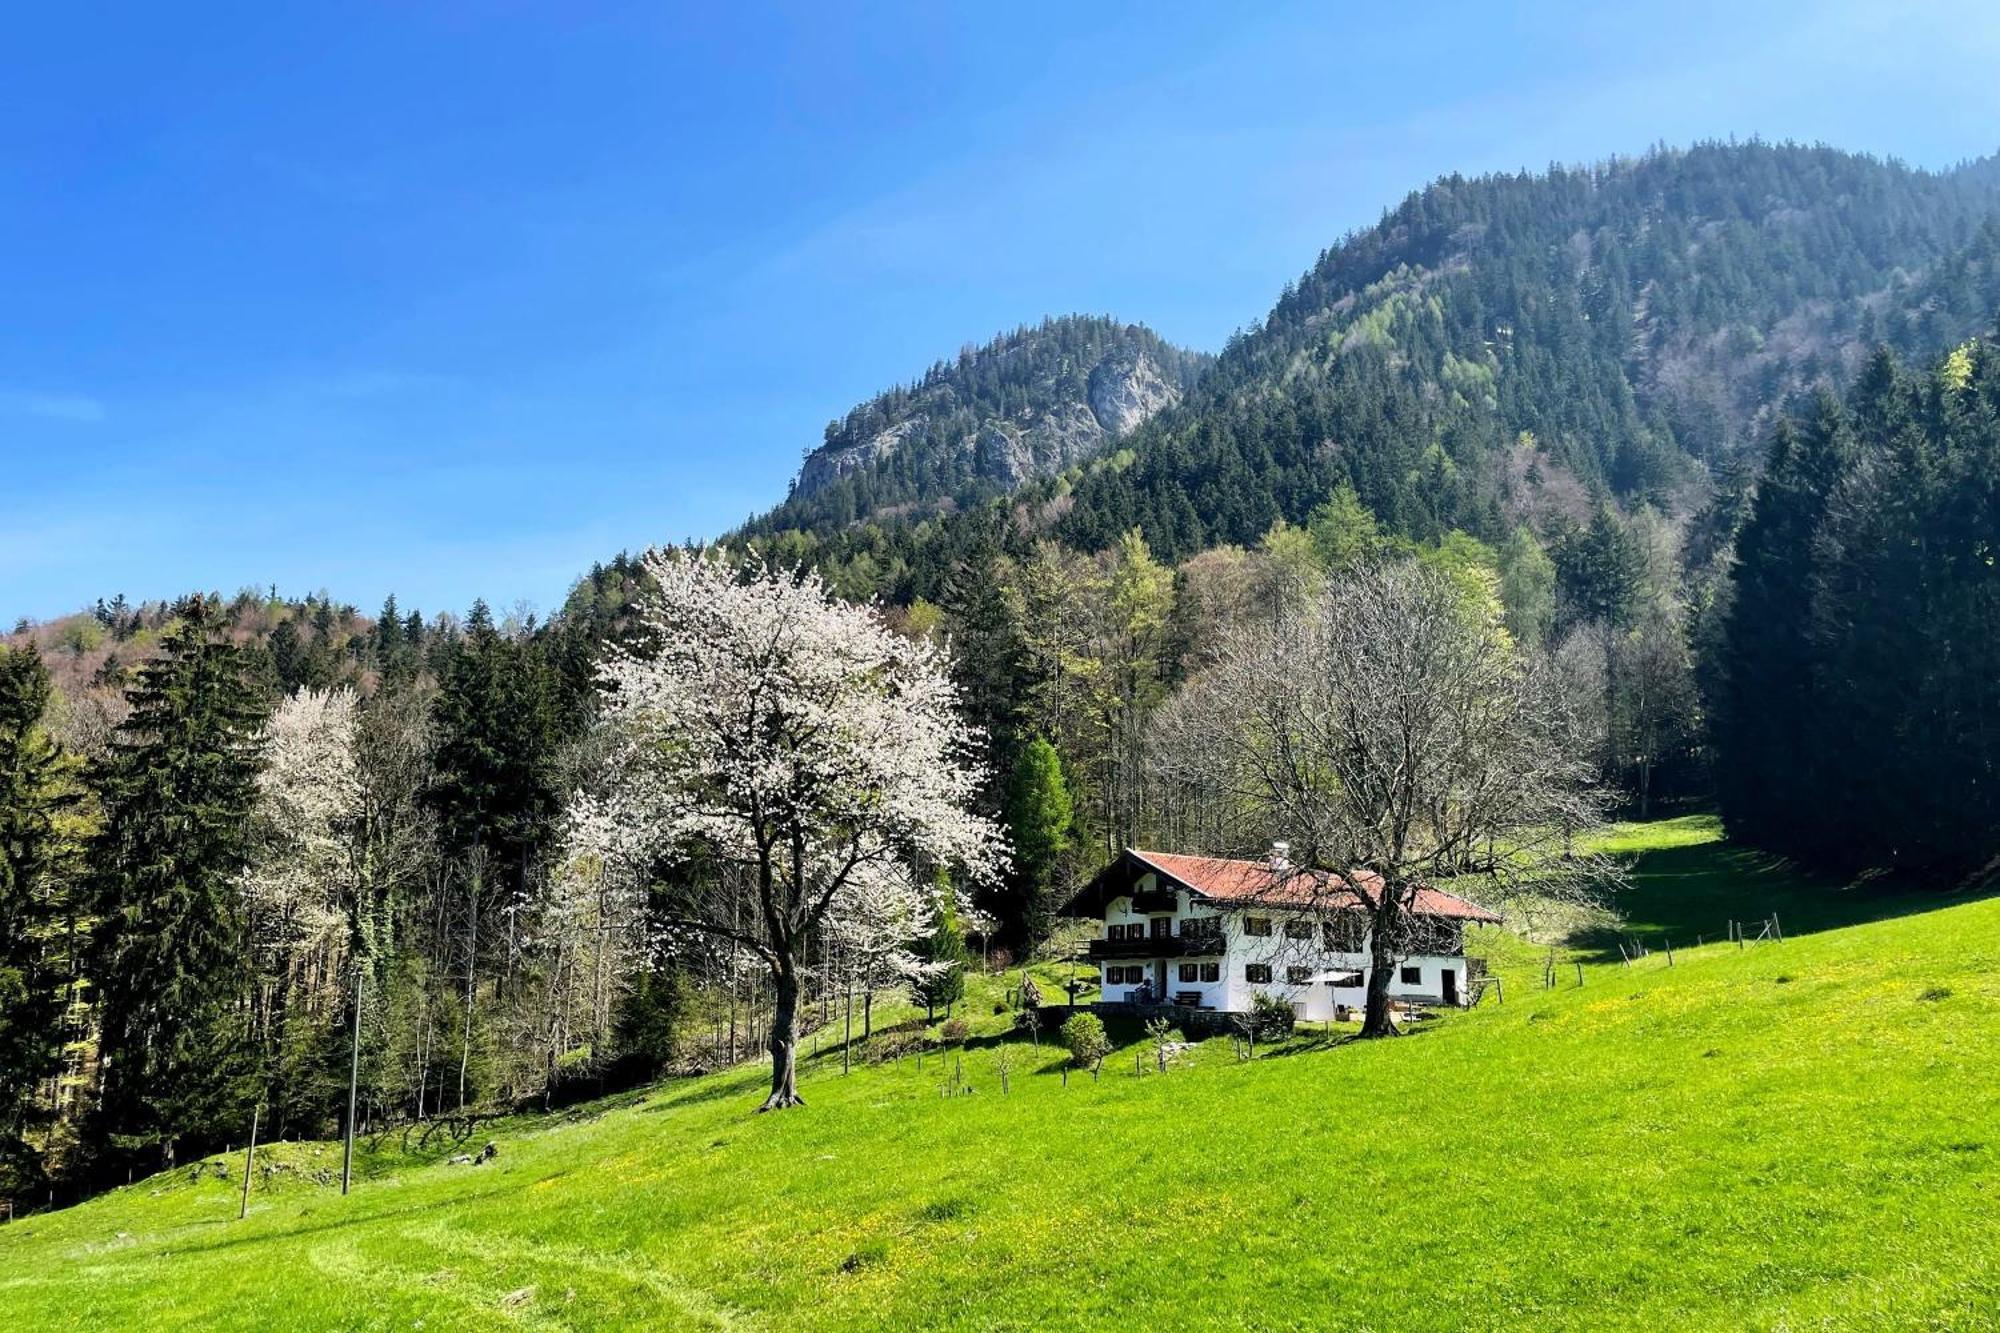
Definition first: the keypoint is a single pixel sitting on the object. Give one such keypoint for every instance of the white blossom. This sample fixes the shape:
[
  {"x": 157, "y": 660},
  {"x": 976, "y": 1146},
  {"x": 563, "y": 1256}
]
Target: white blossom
[
  {"x": 778, "y": 756},
  {"x": 301, "y": 879}
]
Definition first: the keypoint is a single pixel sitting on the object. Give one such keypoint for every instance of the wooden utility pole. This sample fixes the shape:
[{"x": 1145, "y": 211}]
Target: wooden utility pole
[
  {"x": 471, "y": 979},
  {"x": 353, "y": 1084},
  {"x": 249, "y": 1158}
]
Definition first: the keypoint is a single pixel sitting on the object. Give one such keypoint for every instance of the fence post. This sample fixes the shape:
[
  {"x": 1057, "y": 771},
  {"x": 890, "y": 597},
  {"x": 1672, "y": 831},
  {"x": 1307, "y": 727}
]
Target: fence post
[
  {"x": 249, "y": 1156},
  {"x": 1670, "y": 953},
  {"x": 1579, "y": 976},
  {"x": 1778, "y": 928},
  {"x": 353, "y": 1085}
]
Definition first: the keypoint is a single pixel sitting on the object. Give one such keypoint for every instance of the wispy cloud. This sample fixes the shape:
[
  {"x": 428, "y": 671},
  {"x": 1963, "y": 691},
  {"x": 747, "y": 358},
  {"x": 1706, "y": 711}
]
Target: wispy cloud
[{"x": 50, "y": 406}]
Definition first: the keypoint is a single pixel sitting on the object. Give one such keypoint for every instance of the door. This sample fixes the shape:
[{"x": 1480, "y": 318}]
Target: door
[
  {"x": 1450, "y": 986},
  {"x": 1160, "y": 980}
]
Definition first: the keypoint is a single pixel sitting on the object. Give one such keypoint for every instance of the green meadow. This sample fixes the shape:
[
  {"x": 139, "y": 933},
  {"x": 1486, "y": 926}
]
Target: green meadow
[{"x": 1788, "y": 1135}]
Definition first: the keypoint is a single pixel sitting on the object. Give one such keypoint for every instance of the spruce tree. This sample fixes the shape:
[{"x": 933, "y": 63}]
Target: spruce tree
[
  {"x": 495, "y": 712},
  {"x": 1038, "y": 818},
  {"x": 390, "y": 657},
  {"x": 945, "y": 949},
  {"x": 36, "y": 855},
  {"x": 172, "y": 977},
  {"x": 1769, "y": 713},
  {"x": 989, "y": 655}
]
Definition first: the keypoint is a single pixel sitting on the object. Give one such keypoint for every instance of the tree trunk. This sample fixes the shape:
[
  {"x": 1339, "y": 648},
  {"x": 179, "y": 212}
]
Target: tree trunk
[
  {"x": 784, "y": 1043},
  {"x": 1379, "y": 1020}
]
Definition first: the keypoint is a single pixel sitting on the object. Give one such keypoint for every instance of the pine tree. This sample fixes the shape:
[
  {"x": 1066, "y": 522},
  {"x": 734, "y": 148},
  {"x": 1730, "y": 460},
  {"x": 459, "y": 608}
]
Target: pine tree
[
  {"x": 177, "y": 790},
  {"x": 36, "y": 853}
]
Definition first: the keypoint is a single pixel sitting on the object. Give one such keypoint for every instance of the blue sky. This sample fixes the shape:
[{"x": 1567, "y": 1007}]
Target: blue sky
[{"x": 452, "y": 299}]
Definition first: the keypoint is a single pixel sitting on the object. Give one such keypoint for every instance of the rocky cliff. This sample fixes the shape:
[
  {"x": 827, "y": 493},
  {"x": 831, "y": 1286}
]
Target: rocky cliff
[{"x": 1026, "y": 405}]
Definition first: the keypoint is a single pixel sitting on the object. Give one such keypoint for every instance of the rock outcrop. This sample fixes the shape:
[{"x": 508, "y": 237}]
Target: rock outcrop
[{"x": 1024, "y": 406}]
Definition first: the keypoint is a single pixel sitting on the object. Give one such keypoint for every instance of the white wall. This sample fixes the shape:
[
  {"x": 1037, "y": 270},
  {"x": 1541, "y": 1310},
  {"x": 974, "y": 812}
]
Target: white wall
[{"x": 1232, "y": 992}]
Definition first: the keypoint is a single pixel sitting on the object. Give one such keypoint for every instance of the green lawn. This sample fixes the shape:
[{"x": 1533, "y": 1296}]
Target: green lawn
[{"x": 1782, "y": 1136}]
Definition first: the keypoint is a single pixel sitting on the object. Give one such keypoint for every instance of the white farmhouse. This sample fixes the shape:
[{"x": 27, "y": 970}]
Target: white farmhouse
[{"x": 1202, "y": 932}]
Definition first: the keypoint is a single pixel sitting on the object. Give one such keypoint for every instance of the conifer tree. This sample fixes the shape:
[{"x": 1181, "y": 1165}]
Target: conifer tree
[
  {"x": 170, "y": 958},
  {"x": 35, "y": 861},
  {"x": 939, "y": 981},
  {"x": 495, "y": 717},
  {"x": 1767, "y": 713},
  {"x": 1038, "y": 819}
]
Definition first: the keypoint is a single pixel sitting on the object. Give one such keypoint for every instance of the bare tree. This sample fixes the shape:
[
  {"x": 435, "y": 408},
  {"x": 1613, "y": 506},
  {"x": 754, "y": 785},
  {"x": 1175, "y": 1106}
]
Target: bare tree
[
  {"x": 1385, "y": 729},
  {"x": 772, "y": 747}
]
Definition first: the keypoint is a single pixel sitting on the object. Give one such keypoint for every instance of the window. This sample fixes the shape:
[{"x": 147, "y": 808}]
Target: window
[
  {"x": 1347, "y": 933},
  {"x": 1163, "y": 927},
  {"x": 1202, "y": 933},
  {"x": 1413, "y": 976},
  {"x": 1257, "y": 974},
  {"x": 1190, "y": 972},
  {"x": 1256, "y": 925},
  {"x": 1436, "y": 935},
  {"x": 1298, "y": 929},
  {"x": 1298, "y": 976},
  {"x": 1211, "y": 971}
]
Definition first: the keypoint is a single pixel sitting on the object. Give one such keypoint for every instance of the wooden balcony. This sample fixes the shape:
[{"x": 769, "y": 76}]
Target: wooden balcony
[
  {"x": 1155, "y": 900},
  {"x": 1153, "y": 946}
]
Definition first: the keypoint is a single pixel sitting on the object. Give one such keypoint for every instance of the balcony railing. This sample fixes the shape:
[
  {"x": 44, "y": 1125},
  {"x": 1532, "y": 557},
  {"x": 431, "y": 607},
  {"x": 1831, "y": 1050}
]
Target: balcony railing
[
  {"x": 1155, "y": 900},
  {"x": 1152, "y": 946}
]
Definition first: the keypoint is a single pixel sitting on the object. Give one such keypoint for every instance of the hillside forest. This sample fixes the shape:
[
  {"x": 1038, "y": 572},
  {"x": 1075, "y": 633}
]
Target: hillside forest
[{"x": 1708, "y": 439}]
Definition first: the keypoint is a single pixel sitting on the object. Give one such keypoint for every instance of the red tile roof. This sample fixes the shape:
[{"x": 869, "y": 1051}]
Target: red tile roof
[{"x": 1248, "y": 883}]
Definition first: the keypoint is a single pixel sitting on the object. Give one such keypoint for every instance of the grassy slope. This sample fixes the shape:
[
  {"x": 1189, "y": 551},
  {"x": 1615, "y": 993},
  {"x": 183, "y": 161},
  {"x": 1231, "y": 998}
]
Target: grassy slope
[{"x": 1789, "y": 1135}]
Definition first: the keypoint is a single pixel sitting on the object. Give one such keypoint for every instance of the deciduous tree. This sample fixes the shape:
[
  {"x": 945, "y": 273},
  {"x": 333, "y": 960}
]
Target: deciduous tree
[
  {"x": 1385, "y": 731},
  {"x": 771, "y": 746}
]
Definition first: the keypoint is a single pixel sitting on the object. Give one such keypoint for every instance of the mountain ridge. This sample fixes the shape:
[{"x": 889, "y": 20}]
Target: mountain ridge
[{"x": 1505, "y": 349}]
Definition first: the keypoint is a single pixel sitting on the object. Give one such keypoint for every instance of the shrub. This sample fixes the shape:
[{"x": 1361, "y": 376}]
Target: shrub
[
  {"x": 1084, "y": 1035},
  {"x": 954, "y": 1031},
  {"x": 1271, "y": 1016}
]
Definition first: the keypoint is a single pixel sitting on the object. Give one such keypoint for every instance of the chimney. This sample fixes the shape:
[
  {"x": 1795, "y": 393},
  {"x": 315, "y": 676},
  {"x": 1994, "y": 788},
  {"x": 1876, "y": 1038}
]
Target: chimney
[{"x": 1281, "y": 856}]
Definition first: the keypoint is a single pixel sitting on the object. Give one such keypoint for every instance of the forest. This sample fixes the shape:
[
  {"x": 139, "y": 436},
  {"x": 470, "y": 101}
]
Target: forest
[{"x": 1707, "y": 441}]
